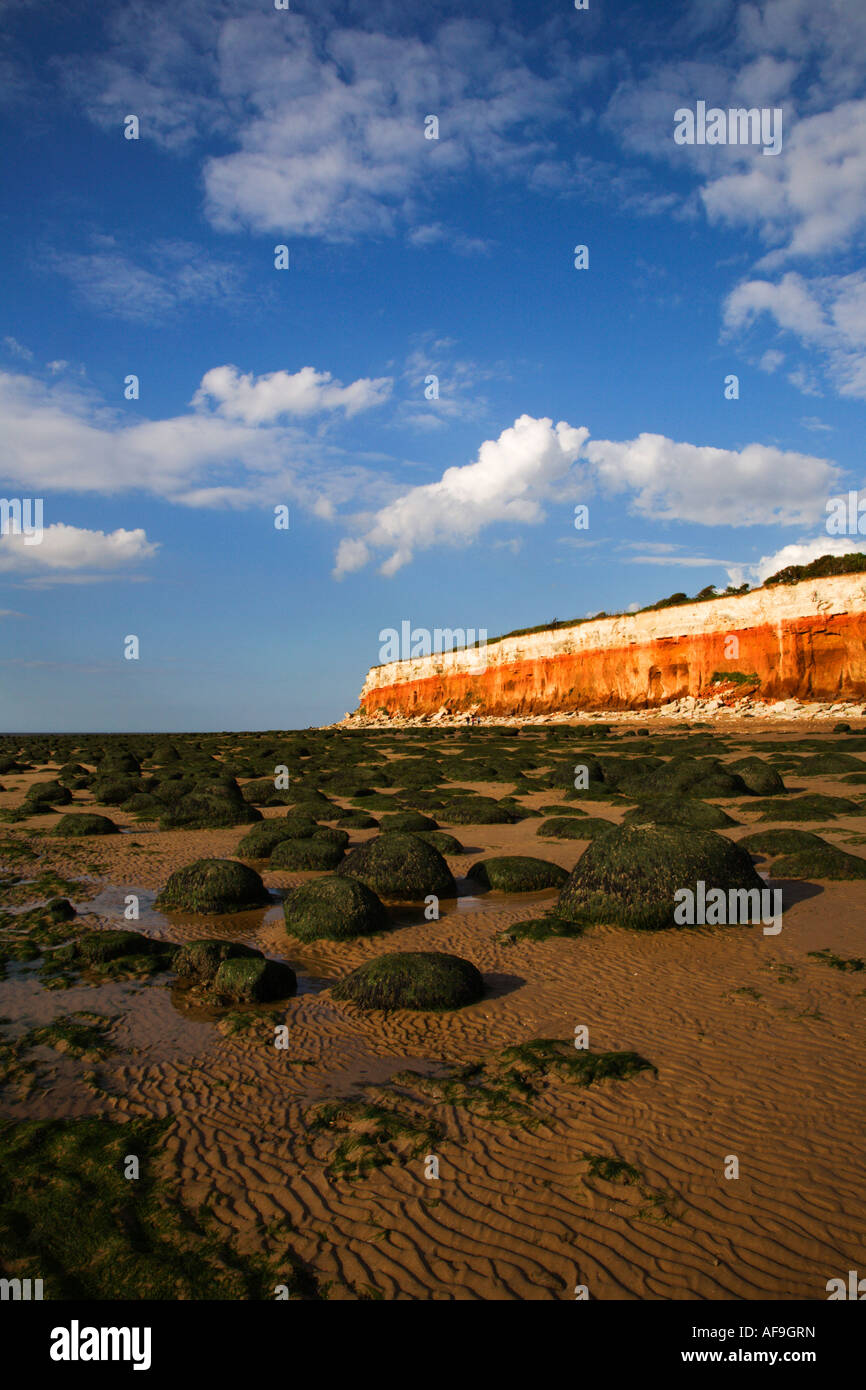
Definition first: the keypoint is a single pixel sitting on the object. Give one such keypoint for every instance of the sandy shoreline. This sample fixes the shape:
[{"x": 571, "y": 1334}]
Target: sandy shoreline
[{"x": 756, "y": 1047}]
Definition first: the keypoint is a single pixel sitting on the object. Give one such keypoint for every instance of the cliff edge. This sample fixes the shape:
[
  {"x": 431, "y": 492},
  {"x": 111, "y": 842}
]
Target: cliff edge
[{"x": 802, "y": 641}]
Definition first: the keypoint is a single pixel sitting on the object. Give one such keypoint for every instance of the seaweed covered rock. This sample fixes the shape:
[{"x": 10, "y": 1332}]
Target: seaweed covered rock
[
  {"x": 441, "y": 840},
  {"x": 412, "y": 980},
  {"x": 673, "y": 810},
  {"x": 631, "y": 875},
  {"x": 358, "y": 820},
  {"x": 215, "y": 803},
  {"x": 759, "y": 777},
  {"x": 811, "y": 807},
  {"x": 475, "y": 810},
  {"x": 686, "y": 776},
  {"x": 262, "y": 792},
  {"x": 262, "y": 838},
  {"x": 400, "y": 866},
  {"x": 74, "y": 776},
  {"x": 253, "y": 980},
  {"x": 308, "y": 854},
  {"x": 98, "y": 947},
  {"x": 829, "y": 764},
  {"x": 800, "y": 854},
  {"x": 199, "y": 961},
  {"x": 408, "y": 820},
  {"x": 517, "y": 873},
  {"x": 331, "y": 835},
  {"x": 114, "y": 791},
  {"x": 214, "y": 885},
  {"x": 335, "y": 909},
  {"x": 573, "y": 828},
  {"x": 45, "y": 795},
  {"x": 84, "y": 823}
]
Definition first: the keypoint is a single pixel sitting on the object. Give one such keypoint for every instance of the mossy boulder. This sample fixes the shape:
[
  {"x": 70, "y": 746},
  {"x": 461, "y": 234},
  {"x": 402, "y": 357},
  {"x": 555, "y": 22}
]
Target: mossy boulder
[
  {"x": 573, "y": 828},
  {"x": 408, "y": 820},
  {"x": 812, "y": 807},
  {"x": 829, "y": 764},
  {"x": 673, "y": 810},
  {"x": 212, "y": 805},
  {"x": 779, "y": 841},
  {"x": 441, "y": 840},
  {"x": 800, "y": 854},
  {"x": 114, "y": 791},
  {"x": 46, "y": 794},
  {"x": 245, "y": 980},
  {"x": 684, "y": 775},
  {"x": 85, "y": 823},
  {"x": 262, "y": 838},
  {"x": 475, "y": 810},
  {"x": 262, "y": 792},
  {"x": 759, "y": 777},
  {"x": 214, "y": 885},
  {"x": 335, "y": 909},
  {"x": 400, "y": 866},
  {"x": 358, "y": 820},
  {"x": 517, "y": 873},
  {"x": 305, "y": 855},
  {"x": 98, "y": 947},
  {"x": 74, "y": 776},
  {"x": 630, "y": 876},
  {"x": 429, "y": 980},
  {"x": 200, "y": 960},
  {"x": 301, "y": 825},
  {"x": 332, "y": 836}
]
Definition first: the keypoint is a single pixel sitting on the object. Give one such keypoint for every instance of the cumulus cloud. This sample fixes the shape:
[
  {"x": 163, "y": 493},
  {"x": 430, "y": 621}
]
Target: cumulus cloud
[
  {"x": 260, "y": 400},
  {"x": 64, "y": 549},
  {"x": 753, "y": 486},
  {"x": 811, "y": 202},
  {"x": 61, "y": 437},
  {"x": 800, "y": 553},
  {"x": 509, "y": 481}
]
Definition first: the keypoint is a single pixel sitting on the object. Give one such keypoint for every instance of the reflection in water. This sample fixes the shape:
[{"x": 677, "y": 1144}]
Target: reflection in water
[{"x": 254, "y": 928}]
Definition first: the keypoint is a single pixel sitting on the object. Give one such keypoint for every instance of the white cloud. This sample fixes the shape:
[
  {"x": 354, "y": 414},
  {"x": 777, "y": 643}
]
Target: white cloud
[
  {"x": 755, "y": 485},
  {"x": 17, "y": 349},
  {"x": 826, "y": 313},
  {"x": 168, "y": 276},
  {"x": 64, "y": 549},
  {"x": 60, "y": 437},
  {"x": 509, "y": 481},
  {"x": 262, "y": 400},
  {"x": 810, "y": 202},
  {"x": 800, "y": 553},
  {"x": 771, "y": 360},
  {"x": 324, "y": 123}
]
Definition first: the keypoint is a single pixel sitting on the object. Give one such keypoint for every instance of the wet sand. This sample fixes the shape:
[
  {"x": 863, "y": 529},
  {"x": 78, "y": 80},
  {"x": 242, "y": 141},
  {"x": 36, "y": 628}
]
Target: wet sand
[{"x": 757, "y": 1049}]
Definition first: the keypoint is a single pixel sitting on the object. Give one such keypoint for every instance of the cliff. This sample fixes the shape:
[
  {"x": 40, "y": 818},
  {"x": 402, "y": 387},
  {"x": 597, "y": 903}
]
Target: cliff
[{"x": 803, "y": 640}]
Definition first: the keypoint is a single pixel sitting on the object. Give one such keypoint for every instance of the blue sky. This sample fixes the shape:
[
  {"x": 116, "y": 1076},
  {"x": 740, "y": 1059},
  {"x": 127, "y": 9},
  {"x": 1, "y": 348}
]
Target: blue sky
[{"x": 409, "y": 258}]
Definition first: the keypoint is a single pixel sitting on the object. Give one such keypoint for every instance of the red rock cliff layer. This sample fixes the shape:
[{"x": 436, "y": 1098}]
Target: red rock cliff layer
[{"x": 818, "y": 655}]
